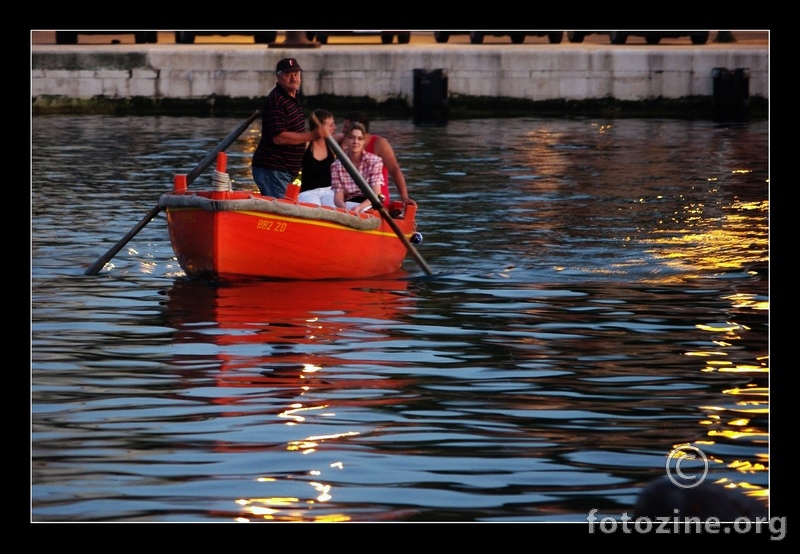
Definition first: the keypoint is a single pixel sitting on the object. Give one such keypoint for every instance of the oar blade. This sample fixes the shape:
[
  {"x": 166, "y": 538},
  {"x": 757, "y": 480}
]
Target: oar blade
[{"x": 95, "y": 268}]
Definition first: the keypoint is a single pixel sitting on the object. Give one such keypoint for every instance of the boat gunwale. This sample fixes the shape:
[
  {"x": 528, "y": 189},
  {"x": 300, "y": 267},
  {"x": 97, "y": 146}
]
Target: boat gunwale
[{"x": 252, "y": 203}]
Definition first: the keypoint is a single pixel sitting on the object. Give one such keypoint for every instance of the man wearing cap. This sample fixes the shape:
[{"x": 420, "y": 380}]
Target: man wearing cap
[{"x": 279, "y": 155}]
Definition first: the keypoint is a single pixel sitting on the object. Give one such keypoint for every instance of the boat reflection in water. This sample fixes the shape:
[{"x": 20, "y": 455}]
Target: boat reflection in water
[{"x": 287, "y": 359}]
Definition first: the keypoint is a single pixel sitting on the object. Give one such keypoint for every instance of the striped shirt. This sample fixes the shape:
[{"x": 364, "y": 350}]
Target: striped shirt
[
  {"x": 280, "y": 112},
  {"x": 371, "y": 168}
]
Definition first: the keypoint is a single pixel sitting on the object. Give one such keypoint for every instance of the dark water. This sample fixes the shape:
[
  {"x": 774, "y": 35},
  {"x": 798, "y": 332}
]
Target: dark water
[{"x": 601, "y": 298}]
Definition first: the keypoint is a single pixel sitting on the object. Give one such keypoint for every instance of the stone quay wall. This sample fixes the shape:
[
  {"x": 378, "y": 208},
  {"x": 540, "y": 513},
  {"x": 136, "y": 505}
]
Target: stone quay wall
[{"x": 70, "y": 78}]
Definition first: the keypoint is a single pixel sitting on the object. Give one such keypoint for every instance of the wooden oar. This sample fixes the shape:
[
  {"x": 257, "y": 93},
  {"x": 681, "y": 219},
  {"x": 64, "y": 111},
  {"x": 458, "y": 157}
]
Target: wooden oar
[
  {"x": 376, "y": 203},
  {"x": 95, "y": 268}
]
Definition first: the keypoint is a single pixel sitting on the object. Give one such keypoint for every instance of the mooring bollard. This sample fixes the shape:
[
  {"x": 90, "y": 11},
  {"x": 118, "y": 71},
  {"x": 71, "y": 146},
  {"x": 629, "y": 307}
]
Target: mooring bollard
[
  {"x": 295, "y": 39},
  {"x": 430, "y": 97},
  {"x": 731, "y": 93}
]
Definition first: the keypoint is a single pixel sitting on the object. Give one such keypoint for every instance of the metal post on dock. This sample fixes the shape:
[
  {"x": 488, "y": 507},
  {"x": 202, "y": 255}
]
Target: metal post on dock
[{"x": 295, "y": 39}]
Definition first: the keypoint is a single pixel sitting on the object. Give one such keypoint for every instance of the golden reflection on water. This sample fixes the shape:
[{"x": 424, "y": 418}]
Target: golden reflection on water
[
  {"x": 747, "y": 301},
  {"x": 718, "y": 248},
  {"x": 289, "y": 509},
  {"x": 284, "y": 510},
  {"x": 734, "y": 423},
  {"x": 740, "y": 428}
]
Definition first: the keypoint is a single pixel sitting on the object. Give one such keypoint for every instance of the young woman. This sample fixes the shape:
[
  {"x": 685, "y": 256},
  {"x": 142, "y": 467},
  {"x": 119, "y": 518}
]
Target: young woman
[
  {"x": 379, "y": 146},
  {"x": 346, "y": 193},
  {"x": 317, "y": 160}
]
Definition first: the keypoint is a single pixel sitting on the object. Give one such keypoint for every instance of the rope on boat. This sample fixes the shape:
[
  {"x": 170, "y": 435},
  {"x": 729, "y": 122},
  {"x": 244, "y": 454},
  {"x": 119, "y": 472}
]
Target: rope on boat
[
  {"x": 368, "y": 222},
  {"x": 221, "y": 181}
]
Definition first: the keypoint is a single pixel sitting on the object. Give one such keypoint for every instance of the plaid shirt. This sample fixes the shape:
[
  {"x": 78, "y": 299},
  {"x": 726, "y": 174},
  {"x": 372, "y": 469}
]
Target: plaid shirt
[{"x": 371, "y": 168}]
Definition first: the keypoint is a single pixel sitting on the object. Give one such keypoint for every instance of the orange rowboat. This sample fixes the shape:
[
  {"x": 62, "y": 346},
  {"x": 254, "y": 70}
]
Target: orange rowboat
[{"x": 224, "y": 234}]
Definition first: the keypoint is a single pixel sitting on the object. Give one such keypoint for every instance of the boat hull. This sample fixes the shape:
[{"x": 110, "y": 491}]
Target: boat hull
[{"x": 234, "y": 235}]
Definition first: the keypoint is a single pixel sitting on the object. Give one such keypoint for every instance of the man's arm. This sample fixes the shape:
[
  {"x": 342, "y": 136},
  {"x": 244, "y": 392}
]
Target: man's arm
[
  {"x": 288, "y": 137},
  {"x": 385, "y": 151}
]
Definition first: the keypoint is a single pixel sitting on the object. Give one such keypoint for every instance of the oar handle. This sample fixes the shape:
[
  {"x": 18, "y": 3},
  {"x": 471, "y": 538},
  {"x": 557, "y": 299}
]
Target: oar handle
[
  {"x": 212, "y": 156},
  {"x": 369, "y": 193}
]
